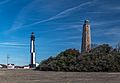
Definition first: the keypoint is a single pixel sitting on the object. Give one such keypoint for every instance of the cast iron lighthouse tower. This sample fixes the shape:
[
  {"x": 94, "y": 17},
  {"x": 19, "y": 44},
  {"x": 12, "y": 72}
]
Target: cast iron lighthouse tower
[
  {"x": 86, "y": 37},
  {"x": 32, "y": 51}
]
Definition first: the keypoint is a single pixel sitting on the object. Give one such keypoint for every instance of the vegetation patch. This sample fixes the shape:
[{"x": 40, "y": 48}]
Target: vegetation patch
[{"x": 102, "y": 58}]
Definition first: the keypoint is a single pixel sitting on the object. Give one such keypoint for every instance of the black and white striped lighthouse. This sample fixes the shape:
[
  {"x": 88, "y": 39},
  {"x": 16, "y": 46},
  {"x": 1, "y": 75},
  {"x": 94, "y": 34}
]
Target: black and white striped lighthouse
[{"x": 32, "y": 51}]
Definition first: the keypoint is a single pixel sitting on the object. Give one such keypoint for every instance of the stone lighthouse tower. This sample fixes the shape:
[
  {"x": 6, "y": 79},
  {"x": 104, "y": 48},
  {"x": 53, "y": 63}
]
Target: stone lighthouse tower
[
  {"x": 32, "y": 51},
  {"x": 86, "y": 37}
]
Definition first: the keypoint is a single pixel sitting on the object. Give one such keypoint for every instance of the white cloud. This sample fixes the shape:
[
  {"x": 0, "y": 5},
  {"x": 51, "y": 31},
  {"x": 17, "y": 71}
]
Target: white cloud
[
  {"x": 62, "y": 14},
  {"x": 64, "y": 27},
  {"x": 12, "y": 44},
  {"x": 64, "y": 39},
  {"x": 103, "y": 23},
  {"x": 114, "y": 31},
  {"x": 18, "y": 25},
  {"x": 96, "y": 12},
  {"x": 67, "y": 43},
  {"x": 20, "y": 19}
]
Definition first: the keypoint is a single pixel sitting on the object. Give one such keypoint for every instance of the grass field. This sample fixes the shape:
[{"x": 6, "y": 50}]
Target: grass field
[{"x": 30, "y": 76}]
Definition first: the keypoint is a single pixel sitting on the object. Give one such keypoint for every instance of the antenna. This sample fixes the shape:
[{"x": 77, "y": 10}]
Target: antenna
[{"x": 7, "y": 59}]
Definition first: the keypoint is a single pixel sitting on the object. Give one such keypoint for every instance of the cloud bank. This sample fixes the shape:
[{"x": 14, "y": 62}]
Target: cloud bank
[{"x": 19, "y": 24}]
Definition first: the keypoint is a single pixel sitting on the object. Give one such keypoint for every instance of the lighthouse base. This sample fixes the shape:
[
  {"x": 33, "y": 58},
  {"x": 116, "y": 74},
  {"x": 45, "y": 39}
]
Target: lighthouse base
[{"x": 32, "y": 66}]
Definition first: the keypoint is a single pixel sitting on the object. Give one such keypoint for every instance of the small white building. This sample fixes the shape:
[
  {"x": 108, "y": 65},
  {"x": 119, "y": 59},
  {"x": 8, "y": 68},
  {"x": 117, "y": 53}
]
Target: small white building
[
  {"x": 10, "y": 66},
  {"x": 1, "y": 66},
  {"x": 26, "y": 67},
  {"x": 37, "y": 64}
]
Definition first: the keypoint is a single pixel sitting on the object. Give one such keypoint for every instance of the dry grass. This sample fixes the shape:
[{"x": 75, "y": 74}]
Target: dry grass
[{"x": 30, "y": 76}]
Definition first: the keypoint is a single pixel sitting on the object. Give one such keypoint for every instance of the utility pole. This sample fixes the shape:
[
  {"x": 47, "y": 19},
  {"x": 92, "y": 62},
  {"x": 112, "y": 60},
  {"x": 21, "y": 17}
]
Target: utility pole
[{"x": 7, "y": 59}]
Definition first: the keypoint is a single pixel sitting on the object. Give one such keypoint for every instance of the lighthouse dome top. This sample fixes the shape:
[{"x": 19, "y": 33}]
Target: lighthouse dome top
[
  {"x": 87, "y": 22},
  {"x": 32, "y": 36},
  {"x": 32, "y": 32}
]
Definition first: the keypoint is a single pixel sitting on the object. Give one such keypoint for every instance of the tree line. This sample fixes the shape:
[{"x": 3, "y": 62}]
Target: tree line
[{"x": 101, "y": 58}]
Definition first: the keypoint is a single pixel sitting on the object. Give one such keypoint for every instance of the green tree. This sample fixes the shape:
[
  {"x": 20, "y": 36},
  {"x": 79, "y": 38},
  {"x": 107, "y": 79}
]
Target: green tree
[{"x": 102, "y": 58}]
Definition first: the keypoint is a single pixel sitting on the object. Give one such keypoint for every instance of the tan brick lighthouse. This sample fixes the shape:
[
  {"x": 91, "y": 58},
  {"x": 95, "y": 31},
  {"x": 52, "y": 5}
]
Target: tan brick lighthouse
[{"x": 86, "y": 37}]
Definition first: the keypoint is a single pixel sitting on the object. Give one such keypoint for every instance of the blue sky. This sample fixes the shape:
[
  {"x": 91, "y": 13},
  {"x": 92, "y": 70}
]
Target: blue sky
[{"x": 57, "y": 25}]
